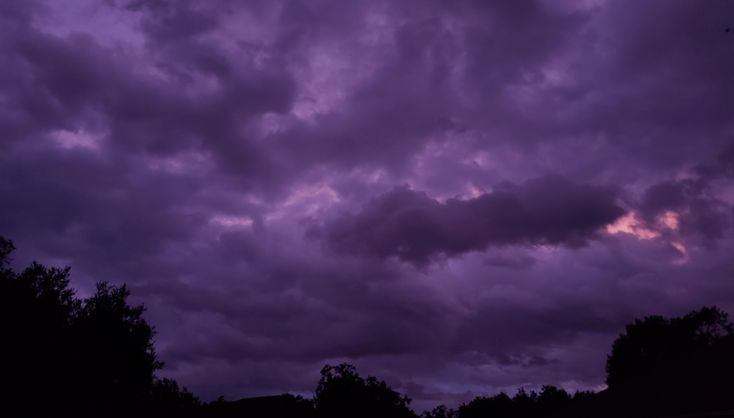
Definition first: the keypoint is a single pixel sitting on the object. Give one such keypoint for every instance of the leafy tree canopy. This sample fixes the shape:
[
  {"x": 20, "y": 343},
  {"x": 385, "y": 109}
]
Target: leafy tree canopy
[
  {"x": 656, "y": 342},
  {"x": 341, "y": 392},
  {"x": 66, "y": 356}
]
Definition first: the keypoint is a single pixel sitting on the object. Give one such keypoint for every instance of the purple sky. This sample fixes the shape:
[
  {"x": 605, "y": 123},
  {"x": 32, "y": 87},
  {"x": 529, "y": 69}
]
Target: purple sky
[{"x": 460, "y": 197}]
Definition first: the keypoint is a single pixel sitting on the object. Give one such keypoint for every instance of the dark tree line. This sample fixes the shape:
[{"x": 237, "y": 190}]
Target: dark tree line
[
  {"x": 548, "y": 402},
  {"x": 64, "y": 356}
]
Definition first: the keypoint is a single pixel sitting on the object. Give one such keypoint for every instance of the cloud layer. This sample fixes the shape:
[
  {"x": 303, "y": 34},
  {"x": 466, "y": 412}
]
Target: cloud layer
[{"x": 460, "y": 197}]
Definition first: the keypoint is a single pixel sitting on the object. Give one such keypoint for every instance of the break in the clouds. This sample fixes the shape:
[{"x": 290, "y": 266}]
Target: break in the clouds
[{"x": 461, "y": 197}]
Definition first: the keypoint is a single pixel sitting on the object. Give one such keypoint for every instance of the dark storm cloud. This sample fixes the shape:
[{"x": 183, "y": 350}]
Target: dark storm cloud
[
  {"x": 174, "y": 21},
  {"x": 191, "y": 148},
  {"x": 700, "y": 211},
  {"x": 659, "y": 87},
  {"x": 414, "y": 227},
  {"x": 442, "y": 76},
  {"x": 74, "y": 84},
  {"x": 700, "y": 204}
]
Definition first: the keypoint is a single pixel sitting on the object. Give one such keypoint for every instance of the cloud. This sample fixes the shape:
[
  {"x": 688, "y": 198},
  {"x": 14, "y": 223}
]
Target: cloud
[
  {"x": 241, "y": 165},
  {"x": 697, "y": 209},
  {"x": 413, "y": 227}
]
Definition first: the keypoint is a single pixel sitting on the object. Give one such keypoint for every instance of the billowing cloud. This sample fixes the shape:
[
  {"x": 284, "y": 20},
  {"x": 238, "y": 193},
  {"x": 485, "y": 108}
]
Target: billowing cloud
[
  {"x": 290, "y": 183},
  {"x": 414, "y": 227}
]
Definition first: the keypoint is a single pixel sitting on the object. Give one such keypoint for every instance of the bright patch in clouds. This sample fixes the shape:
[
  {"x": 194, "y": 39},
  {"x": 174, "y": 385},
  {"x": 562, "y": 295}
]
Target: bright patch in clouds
[
  {"x": 669, "y": 220},
  {"x": 631, "y": 224}
]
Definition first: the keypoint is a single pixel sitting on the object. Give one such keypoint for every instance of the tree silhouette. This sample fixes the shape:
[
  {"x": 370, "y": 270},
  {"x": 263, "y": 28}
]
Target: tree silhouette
[
  {"x": 551, "y": 400},
  {"x": 279, "y": 406},
  {"x": 167, "y": 399},
  {"x": 36, "y": 318},
  {"x": 115, "y": 351},
  {"x": 341, "y": 392},
  {"x": 6, "y": 247},
  {"x": 90, "y": 357},
  {"x": 499, "y": 405},
  {"x": 656, "y": 342},
  {"x": 440, "y": 411}
]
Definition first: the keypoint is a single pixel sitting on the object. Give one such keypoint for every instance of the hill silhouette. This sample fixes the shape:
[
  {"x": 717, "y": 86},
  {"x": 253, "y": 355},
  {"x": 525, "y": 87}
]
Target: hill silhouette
[{"x": 64, "y": 356}]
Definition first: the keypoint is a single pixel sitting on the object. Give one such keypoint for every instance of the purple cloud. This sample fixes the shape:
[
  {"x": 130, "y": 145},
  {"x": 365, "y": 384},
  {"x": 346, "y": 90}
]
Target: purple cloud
[
  {"x": 290, "y": 183},
  {"x": 413, "y": 227}
]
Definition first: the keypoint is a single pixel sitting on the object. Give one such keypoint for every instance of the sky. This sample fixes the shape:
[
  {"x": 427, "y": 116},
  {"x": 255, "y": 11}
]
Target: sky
[{"x": 459, "y": 197}]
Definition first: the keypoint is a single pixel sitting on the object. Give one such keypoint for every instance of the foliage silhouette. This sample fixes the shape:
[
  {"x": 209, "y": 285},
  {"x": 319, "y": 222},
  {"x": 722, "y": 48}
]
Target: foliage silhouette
[
  {"x": 280, "y": 406},
  {"x": 167, "y": 399},
  {"x": 657, "y": 342},
  {"x": 79, "y": 357},
  {"x": 341, "y": 392},
  {"x": 551, "y": 400},
  {"x": 440, "y": 411},
  {"x": 671, "y": 366}
]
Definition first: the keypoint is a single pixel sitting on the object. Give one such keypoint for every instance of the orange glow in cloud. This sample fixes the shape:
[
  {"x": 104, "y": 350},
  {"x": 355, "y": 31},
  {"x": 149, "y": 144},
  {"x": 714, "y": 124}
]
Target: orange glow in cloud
[
  {"x": 683, "y": 252},
  {"x": 669, "y": 220},
  {"x": 631, "y": 224},
  {"x": 680, "y": 247}
]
